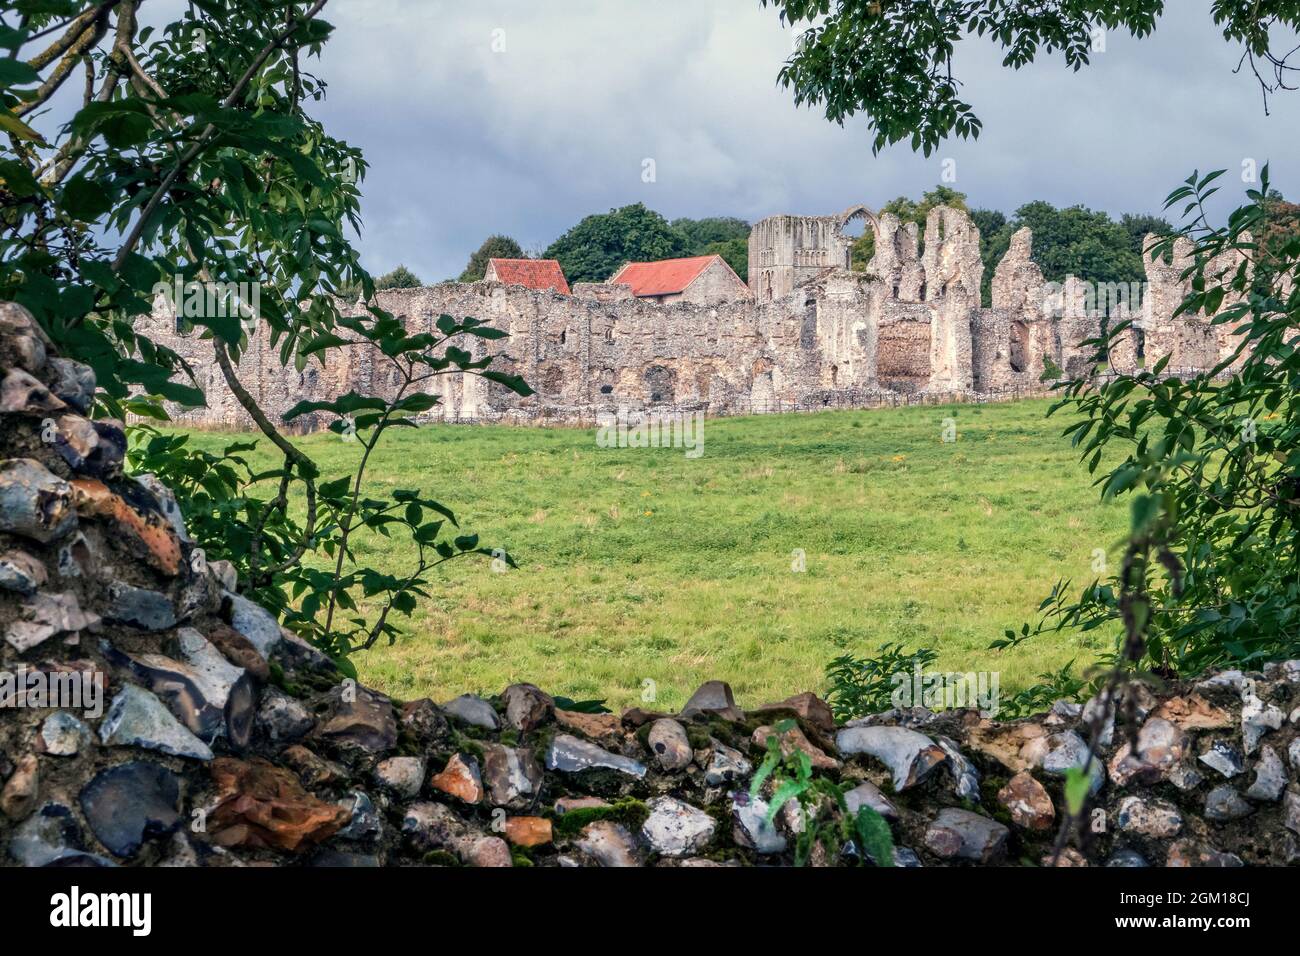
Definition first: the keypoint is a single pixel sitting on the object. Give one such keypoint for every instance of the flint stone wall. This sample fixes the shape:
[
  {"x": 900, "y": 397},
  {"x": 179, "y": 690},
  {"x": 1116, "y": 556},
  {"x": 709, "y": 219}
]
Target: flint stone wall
[{"x": 223, "y": 740}]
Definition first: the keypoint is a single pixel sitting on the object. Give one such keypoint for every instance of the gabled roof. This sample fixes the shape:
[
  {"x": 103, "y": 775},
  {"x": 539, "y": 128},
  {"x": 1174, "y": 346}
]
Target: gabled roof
[
  {"x": 537, "y": 274},
  {"x": 667, "y": 277}
]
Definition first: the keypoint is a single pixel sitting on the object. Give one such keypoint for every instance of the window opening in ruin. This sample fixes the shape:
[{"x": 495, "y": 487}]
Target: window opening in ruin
[
  {"x": 609, "y": 334},
  {"x": 606, "y": 389},
  {"x": 564, "y": 335},
  {"x": 1019, "y": 357},
  {"x": 180, "y": 324}
]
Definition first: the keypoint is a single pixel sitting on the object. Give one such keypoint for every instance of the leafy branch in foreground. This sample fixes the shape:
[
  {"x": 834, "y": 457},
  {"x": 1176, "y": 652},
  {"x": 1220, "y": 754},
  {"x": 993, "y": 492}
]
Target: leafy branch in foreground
[
  {"x": 893, "y": 60},
  {"x": 190, "y": 160}
]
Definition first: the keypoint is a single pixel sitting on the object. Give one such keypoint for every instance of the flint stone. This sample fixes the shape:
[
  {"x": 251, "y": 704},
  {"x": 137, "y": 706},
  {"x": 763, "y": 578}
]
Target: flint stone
[
  {"x": 33, "y": 502},
  {"x": 1161, "y": 746},
  {"x": 46, "y": 615},
  {"x": 676, "y": 829},
  {"x": 255, "y": 623},
  {"x": 867, "y": 794},
  {"x": 50, "y": 836},
  {"x": 63, "y": 735},
  {"x": 1257, "y": 719},
  {"x": 1189, "y": 852},
  {"x": 909, "y": 755},
  {"x": 460, "y": 778},
  {"x": 474, "y": 711},
  {"x": 1270, "y": 777},
  {"x": 1291, "y": 810},
  {"x": 793, "y": 740},
  {"x": 512, "y": 775},
  {"x": 139, "y": 607},
  {"x": 571, "y": 755},
  {"x": 1067, "y": 751},
  {"x": 359, "y": 718},
  {"x": 22, "y": 790},
  {"x": 1028, "y": 802},
  {"x": 282, "y": 718},
  {"x": 1128, "y": 859},
  {"x": 261, "y": 805},
  {"x": 74, "y": 383},
  {"x": 363, "y": 819},
  {"x": 609, "y": 844},
  {"x": 1293, "y": 753},
  {"x": 713, "y": 697},
  {"x": 21, "y": 572},
  {"x": 130, "y": 804},
  {"x": 1148, "y": 817},
  {"x": 402, "y": 775},
  {"x": 167, "y": 505},
  {"x": 965, "y": 835},
  {"x": 751, "y": 827},
  {"x": 669, "y": 743},
  {"x": 966, "y": 779},
  {"x": 528, "y": 831},
  {"x": 1224, "y": 758},
  {"x": 137, "y": 718},
  {"x": 1224, "y": 803},
  {"x": 23, "y": 394},
  {"x": 810, "y": 708},
  {"x": 726, "y": 765},
  {"x": 527, "y": 706}
]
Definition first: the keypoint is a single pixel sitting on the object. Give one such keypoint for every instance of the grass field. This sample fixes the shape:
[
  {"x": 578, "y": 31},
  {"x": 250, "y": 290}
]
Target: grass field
[{"x": 642, "y": 564}]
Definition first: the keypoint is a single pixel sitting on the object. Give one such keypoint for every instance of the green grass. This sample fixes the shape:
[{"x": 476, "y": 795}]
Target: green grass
[{"x": 642, "y": 565}]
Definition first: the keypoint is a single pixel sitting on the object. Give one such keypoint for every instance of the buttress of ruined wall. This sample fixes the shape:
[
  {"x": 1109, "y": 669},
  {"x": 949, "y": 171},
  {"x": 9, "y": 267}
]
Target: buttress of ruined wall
[
  {"x": 1013, "y": 341},
  {"x": 953, "y": 273},
  {"x": 896, "y": 261},
  {"x": 1191, "y": 341}
]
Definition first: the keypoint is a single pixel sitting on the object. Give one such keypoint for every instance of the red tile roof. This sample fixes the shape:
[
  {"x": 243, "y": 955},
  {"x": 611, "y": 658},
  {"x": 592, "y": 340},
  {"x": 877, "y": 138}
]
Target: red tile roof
[
  {"x": 533, "y": 273},
  {"x": 662, "y": 278}
]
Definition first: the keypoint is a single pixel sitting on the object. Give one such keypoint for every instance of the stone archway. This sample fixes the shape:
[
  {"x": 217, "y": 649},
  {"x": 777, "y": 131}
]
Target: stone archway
[{"x": 858, "y": 213}]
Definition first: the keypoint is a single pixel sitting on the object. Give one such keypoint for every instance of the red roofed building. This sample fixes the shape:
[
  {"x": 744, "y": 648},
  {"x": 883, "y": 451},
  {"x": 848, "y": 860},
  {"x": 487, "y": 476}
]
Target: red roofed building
[
  {"x": 700, "y": 279},
  {"x": 539, "y": 274}
]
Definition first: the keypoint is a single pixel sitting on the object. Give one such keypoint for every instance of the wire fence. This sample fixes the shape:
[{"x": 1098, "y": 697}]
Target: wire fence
[{"x": 593, "y": 416}]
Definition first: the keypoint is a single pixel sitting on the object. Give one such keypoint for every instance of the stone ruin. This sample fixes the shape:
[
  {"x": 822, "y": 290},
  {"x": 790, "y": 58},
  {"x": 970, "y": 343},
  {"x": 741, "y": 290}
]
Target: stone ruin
[
  {"x": 808, "y": 332},
  {"x": 151, "y": 715}
]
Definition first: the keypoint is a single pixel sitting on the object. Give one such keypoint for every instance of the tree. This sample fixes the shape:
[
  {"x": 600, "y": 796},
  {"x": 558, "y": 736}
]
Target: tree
[
  {"x": 600, "y": 244},
  {"x": 724, "y": 236},
  {"x": 494, "y": 247},
  {"x": 399, "y": 278},
  {"x": 895, "y": 61},
  {"x": 190, "y": 159},
  {"x": 1140, "y": 225}
]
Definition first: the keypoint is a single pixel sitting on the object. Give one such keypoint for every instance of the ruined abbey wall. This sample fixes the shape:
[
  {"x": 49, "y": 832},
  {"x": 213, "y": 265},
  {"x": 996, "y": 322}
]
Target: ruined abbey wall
[{"x": 807, "y": 332}]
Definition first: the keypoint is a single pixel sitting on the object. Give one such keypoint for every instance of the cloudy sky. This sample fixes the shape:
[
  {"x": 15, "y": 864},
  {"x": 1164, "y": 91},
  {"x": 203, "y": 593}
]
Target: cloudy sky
[{"x": 521, "y": 117}]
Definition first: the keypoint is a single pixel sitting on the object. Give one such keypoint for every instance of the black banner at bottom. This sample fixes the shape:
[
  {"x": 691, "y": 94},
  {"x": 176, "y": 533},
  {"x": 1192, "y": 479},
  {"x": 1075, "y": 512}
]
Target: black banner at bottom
[{"x": 334, "y": 906}]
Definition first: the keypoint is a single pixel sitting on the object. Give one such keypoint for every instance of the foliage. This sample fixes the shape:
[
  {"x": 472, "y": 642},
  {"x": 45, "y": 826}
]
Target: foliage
[
  {"x": 824, "y": 814},
  {"x": 895, "y": 61},
  {"x": 494, "y": 247},
  {"x": 862, "y": 686},
  {"x": 399, "y": 278},
  {"x": 724, "y": 236},
  {"x": 907, "y": 210},
  {"x": 191, "y": 159},
  {"x": 599, "y": 245},
  {"x": 1210, "y": 575}
]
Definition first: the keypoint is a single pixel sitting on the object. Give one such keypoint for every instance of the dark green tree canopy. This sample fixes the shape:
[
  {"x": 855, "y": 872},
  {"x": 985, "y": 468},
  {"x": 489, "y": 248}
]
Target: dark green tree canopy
[
  {"x": 399, "y": 278},
  {"x": 894, "y": 60},
  {"x": 494, "y": 247},
  {"x": 724, "y": 236},
  {"x": 597, "y": 246}
]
